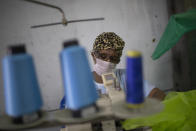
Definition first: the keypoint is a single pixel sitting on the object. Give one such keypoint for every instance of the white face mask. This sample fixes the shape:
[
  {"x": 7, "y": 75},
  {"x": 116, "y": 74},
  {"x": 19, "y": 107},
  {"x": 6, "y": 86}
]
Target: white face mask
[{"x": 102, "y": 67}]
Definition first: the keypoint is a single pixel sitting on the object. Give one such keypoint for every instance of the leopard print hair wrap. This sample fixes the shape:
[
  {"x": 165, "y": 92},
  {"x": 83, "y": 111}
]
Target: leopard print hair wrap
[{"x": 109, "y": 40}]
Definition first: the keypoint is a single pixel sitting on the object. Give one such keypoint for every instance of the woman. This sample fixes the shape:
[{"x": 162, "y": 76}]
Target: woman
[{"x": 106, "y": 54}]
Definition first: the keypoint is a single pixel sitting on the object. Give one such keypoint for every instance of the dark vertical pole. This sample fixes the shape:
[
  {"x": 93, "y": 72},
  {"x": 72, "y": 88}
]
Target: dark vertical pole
[{"x": 183, "y": 54}]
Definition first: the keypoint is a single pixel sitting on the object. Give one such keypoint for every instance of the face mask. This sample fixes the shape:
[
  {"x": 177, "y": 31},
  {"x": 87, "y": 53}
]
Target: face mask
[{"x": 102, "y": 67}]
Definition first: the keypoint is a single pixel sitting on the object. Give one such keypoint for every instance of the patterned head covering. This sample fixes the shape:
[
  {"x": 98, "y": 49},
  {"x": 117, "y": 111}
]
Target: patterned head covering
[{"x": 109, "y": 40}]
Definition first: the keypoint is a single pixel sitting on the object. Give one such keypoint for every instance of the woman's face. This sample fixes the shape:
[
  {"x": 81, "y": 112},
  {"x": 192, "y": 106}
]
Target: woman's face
[{"x": 109, "y": 55}]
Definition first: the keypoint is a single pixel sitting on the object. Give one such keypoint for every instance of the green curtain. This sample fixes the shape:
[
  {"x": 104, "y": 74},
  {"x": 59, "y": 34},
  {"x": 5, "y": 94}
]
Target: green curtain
[
  {"x": 179, "y": 114},
  {"x": 178, "y": 25}
]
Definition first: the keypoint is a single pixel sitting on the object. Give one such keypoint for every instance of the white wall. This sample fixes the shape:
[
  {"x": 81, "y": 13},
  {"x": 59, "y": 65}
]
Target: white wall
[{"x": 136, "y": 21}]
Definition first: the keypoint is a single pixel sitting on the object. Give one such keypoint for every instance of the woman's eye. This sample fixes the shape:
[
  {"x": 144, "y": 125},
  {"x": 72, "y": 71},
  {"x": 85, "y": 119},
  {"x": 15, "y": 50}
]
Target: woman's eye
[
  {"x": 103, "y": 56},
  {"x": 114, "y": 58}
]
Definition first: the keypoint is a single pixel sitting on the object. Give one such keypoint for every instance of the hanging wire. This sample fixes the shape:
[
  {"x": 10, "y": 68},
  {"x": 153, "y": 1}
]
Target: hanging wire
[{"x": 64, "y": 20}]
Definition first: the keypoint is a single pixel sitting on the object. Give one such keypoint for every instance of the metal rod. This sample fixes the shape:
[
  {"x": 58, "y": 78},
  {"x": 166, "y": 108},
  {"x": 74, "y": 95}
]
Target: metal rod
[
  {"x": 44, "y": 25},
  {"x": 82, "y": 20},
  {"x": 71, "y": 21}
]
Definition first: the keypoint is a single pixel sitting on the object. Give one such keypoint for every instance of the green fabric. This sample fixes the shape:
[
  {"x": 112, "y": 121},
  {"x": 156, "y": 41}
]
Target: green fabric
[
  {"x": 179, "y": 114},
  {"x": 178, "y": 25}
]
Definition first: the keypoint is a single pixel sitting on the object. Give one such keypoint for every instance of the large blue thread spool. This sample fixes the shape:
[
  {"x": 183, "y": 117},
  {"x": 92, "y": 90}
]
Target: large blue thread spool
[
  {"x": 134, "y": 79},
  {"x": 80, "y": 91},
  {"x": 22, "y": 94}
]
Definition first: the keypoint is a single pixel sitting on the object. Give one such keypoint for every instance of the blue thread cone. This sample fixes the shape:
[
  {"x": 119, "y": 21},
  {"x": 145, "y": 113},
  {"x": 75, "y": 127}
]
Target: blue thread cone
[
  {"x": 78, "y": 81},
  {"x": 134, "y": 78},
  {"x": 22, "y": 94}
]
